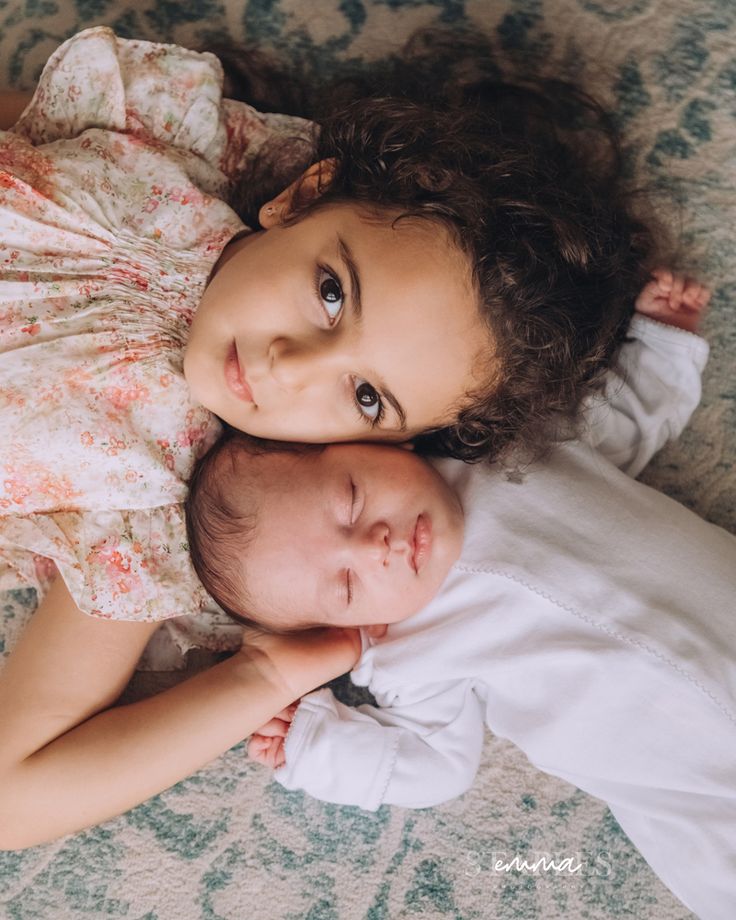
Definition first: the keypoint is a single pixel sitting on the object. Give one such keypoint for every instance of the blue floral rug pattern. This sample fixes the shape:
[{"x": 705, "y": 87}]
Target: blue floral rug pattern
[{"x": 226, "y": 844}]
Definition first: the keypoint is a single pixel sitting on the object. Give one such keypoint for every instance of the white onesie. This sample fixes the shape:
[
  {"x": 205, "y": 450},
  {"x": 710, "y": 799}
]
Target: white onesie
[{"x": 589, "y": 620}]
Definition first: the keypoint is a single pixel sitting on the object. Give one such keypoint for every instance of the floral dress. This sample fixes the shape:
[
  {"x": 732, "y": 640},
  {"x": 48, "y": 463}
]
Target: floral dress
[{"x": 112, "y": 218}]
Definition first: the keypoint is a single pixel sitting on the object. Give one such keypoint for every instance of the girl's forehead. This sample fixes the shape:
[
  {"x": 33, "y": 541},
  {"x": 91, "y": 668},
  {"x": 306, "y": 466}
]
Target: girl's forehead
[
  {"x": 418, "y": 256},
  {"x": 394, "y": 226}
]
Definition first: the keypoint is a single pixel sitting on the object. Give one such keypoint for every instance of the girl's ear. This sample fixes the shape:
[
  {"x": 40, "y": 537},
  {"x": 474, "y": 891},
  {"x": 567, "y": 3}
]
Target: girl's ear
[{"x": 308, "y": 186}]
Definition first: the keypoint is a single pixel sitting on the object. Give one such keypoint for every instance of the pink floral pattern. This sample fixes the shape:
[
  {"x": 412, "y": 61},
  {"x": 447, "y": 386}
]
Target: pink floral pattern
[{"x": 112, "y": 217}]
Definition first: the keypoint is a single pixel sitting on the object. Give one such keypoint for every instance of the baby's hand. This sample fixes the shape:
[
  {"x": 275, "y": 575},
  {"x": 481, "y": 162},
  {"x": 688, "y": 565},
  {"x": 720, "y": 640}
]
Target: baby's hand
[
  {"x": 266, "y": 746},
  {"x": 298, "y": 662},
  {"x": 674, "y": 300}
]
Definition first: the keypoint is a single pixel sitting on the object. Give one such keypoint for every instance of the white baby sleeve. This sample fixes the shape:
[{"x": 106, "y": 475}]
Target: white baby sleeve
[
  {"x": 649, "y": 398},
  {"x": 415, "y": 754}
]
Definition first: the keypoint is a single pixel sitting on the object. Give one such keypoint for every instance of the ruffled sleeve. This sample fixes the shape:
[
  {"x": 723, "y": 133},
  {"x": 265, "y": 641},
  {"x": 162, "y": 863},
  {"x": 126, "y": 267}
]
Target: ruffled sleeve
[
  {"x": 119, "y": 565},
  {"x": 160, "y": 92},
  {"x": 163, "y": 94}
]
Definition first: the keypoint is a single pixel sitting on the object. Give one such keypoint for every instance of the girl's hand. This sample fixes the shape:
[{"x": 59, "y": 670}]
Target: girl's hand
[
  {"x": 674, "y": 299},
  {"x": 266, "y": 746},
  {"x": 301, "y": 661}
]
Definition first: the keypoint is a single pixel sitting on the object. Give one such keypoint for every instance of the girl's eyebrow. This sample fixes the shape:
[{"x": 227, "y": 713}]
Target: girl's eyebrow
[
  {"x": 397, "y": 407},
  {"x": 348, "y": 260}
]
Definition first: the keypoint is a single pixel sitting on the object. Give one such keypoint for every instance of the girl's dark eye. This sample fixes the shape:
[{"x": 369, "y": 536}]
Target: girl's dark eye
[
  {"x": 330, "y": 293},
  {"x": 368, "y": 400}
]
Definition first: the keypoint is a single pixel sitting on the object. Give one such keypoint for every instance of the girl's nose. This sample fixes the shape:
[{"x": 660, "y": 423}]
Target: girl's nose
[{"x": 297, "y": 364}]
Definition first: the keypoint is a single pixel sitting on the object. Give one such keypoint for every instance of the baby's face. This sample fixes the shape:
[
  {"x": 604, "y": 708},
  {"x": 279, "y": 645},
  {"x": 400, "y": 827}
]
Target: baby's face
[{"x": 356, "y": 535}]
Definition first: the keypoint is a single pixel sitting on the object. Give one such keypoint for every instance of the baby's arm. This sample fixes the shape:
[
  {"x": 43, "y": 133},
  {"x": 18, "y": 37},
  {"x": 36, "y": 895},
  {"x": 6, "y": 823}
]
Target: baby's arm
[
  {"x": 68, "y": 761},
  {"x": 649, "y": 398},
  {"x": 417, "y": 752}
]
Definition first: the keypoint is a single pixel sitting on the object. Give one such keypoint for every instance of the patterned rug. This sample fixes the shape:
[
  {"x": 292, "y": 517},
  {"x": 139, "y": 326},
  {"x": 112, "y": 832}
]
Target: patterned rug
[{"x": 227, "y": 844}]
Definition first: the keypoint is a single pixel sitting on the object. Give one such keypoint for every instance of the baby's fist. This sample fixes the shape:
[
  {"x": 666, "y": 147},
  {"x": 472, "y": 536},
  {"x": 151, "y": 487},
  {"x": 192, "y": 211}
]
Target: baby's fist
[
  {"x": 674, "y": 299},
  {"x": 266, "y": 745},
  {"x": 267, "y": 751}
]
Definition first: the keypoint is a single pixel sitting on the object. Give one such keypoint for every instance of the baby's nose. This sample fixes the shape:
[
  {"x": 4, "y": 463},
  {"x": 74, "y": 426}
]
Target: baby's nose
[{"x": 376, "y": 542}]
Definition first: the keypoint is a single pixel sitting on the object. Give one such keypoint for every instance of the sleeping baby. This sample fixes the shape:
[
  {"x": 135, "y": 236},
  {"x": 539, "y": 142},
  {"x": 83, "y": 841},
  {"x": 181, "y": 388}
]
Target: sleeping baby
[
  {"x": 306, "y": 535},
  {"x": 578, "y": 613}
]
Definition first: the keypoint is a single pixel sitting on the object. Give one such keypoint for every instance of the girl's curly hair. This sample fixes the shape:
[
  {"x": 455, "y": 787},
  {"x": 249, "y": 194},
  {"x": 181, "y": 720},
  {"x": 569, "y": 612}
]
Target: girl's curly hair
[{"x": 528, "y": 180}]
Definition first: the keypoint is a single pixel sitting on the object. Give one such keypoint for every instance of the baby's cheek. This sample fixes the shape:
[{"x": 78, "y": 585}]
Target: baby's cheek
[{"x": 410, "y": 600}]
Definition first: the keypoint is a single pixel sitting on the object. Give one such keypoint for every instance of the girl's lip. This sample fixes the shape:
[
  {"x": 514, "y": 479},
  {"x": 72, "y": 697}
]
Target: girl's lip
[
  {"x": 421, "y": 542},
  {"x": 235, "y": 376}
]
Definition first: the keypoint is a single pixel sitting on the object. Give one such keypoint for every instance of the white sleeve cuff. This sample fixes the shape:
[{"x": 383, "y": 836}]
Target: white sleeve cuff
[{"x": 338, "y": 756}]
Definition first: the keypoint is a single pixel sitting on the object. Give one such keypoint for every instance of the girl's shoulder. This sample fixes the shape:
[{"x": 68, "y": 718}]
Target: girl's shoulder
[{"x": 160, "y": 92}]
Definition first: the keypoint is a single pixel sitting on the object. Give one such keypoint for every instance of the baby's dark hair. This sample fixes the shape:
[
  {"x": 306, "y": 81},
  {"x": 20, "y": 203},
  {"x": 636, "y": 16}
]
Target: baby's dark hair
[
  {"x": 528, "y": 181},
  {"x": 221, "y": 520}
]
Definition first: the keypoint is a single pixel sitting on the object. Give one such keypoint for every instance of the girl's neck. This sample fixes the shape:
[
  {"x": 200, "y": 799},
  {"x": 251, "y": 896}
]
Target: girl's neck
[{"x": 241, "y": 238}]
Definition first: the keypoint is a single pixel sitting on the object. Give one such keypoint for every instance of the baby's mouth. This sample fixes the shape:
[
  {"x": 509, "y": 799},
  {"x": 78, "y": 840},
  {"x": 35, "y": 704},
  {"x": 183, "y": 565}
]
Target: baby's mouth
[
  {"x": 235, "y": 376},
  {"x": 421, "y": 542}
]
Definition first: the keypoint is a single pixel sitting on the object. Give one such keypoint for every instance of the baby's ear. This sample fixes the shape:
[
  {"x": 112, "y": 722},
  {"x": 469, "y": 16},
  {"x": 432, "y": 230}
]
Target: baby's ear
[
  {"x": 376, "y": 631},
  {"x": 309, "y": 185}
]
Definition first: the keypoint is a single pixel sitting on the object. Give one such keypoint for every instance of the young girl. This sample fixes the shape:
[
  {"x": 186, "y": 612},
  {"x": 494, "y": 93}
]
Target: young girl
[{"x": 431, "y": 271}]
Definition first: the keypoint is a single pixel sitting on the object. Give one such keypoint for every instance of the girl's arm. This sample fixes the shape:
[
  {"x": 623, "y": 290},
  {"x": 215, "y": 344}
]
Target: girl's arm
[
  {"x": 12, "y": 104},
  {"x": 65, "y": 764}
]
